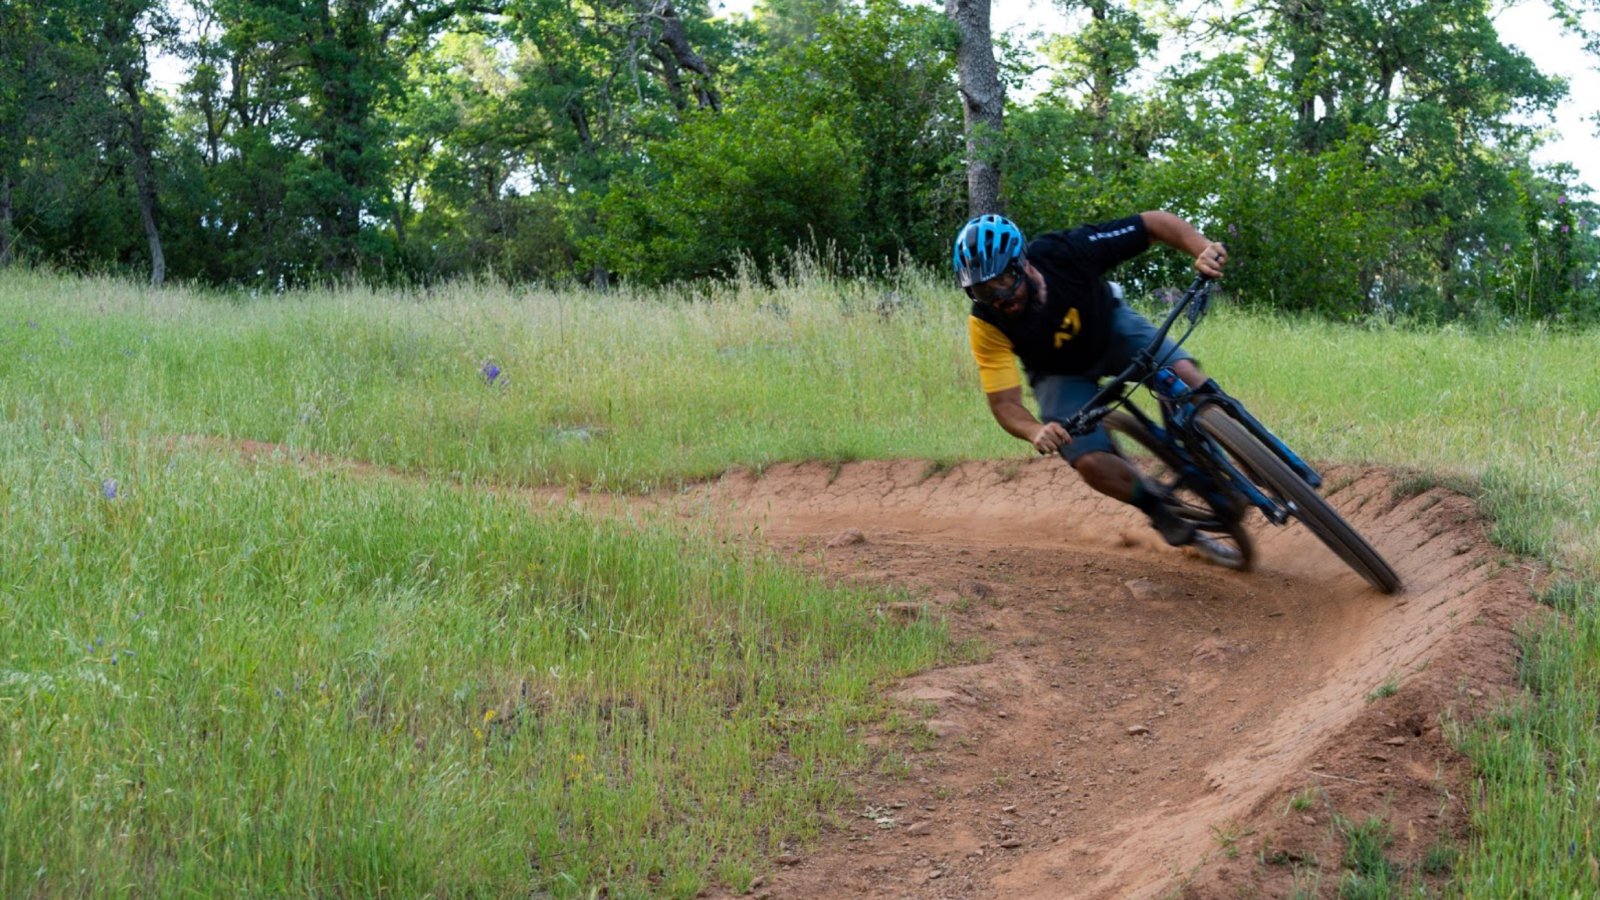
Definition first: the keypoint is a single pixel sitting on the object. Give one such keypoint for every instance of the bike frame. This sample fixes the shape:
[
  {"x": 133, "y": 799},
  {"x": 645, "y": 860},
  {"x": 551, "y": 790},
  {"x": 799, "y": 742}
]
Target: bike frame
[{"x": 1205, "y": 468}]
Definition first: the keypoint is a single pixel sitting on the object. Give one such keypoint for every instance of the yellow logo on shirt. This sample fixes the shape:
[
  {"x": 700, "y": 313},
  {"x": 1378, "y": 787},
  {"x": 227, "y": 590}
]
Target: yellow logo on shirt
[{"x": 1070, "y": 326}]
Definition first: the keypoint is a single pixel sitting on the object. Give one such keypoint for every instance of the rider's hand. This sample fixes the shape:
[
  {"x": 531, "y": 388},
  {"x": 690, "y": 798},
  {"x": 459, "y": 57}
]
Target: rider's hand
[
  {"x": 1211, "y": 260},
  {"x": 1050, "y": 438}
]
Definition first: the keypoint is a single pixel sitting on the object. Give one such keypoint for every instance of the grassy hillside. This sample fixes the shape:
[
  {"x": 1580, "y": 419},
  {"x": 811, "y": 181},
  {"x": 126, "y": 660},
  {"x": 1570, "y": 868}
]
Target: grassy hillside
[{"x": 316, "y": 679}]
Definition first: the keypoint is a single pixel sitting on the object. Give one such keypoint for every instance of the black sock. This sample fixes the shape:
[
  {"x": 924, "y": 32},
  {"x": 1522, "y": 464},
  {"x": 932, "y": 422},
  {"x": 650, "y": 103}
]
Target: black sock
[{"x": 1144, "y": 499}]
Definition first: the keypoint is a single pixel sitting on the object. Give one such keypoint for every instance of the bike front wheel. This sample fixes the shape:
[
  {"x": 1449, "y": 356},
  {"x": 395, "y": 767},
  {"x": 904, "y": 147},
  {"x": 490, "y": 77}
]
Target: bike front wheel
[
  {"x": 1218, "y": 515},
  {"x": 1269, "y": 471}
]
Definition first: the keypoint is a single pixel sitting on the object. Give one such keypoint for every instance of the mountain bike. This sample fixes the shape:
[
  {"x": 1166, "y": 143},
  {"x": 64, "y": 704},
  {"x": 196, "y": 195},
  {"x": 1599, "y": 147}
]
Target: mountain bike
[{"x": 1214, "y": 460}]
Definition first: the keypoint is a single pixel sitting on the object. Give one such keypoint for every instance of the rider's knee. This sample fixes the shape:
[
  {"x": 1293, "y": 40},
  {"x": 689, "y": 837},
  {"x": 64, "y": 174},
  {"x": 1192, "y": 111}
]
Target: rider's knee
[{"x": 1096, "y": 464}]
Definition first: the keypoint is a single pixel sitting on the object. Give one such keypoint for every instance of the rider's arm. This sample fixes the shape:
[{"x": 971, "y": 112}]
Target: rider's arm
[
  {"x": 997, "y": 370},
  {"x": 1018, "y": 421},
  {"x": 1012, "y": 415},
  {"x": 1166, "y": 228}
]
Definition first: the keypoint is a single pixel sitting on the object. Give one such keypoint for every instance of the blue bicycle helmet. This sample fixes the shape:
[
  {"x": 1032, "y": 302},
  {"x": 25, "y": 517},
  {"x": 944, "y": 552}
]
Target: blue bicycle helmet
[{"x": 985, "y": 247}]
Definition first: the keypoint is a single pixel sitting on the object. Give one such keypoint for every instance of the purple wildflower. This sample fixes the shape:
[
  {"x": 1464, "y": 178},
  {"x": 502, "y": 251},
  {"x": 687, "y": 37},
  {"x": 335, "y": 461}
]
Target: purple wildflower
[
  {"x": 1233, "y": 230},
  {"x": 490, "y": 372},
  {"x": 1561, "y": 200},
  {"x": 108, "y": 488},
  {"x": 1505, "y": 247}
]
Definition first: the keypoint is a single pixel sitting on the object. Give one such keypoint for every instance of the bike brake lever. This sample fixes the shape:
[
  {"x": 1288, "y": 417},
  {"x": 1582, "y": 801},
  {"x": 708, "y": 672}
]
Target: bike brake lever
[{"x": 1202, "y": 302}]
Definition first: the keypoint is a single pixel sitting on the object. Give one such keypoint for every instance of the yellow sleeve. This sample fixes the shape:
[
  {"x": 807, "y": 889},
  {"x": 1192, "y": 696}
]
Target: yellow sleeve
[{"x": 997, "y": 363}]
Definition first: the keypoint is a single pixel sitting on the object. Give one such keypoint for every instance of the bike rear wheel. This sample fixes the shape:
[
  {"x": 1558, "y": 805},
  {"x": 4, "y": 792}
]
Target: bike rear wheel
[
  {"x": 1221, "y": 524},
  {"x": 1269, "y": 471}
]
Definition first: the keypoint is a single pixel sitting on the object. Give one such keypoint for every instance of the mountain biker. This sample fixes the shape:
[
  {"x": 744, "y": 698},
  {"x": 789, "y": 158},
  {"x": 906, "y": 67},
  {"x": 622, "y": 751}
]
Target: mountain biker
[{"x": 1047, "y": 304}]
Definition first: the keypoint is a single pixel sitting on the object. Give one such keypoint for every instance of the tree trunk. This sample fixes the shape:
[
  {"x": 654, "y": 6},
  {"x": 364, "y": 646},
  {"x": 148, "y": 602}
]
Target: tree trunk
[
  {"x": 982, "y": 103},
  {"x": 143, "y": 173},
  {"x": 1103, "y": 82},
  {"x": 5, "y": 220}
]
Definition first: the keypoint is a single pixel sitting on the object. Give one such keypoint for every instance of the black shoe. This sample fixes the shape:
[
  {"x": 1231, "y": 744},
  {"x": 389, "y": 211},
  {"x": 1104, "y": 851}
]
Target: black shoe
[{"x": 1173, "y": 529}]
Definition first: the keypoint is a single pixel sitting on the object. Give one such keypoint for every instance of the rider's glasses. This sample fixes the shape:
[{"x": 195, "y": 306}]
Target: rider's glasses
[{"x": 999, "y": 289}]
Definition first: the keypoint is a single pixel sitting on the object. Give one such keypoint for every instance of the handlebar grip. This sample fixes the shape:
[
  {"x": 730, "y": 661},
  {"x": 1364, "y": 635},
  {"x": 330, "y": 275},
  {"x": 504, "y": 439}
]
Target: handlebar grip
[{"x": 1084, "y": 421}]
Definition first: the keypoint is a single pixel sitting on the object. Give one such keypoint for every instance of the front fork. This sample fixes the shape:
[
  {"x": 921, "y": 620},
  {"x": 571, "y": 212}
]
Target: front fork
[{"x": 1180, "y": 403}]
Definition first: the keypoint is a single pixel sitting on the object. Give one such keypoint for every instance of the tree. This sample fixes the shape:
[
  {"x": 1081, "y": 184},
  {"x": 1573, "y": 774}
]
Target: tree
[
  {"x": 983, "y": 103},
  {"x": 127, "y": 29}
]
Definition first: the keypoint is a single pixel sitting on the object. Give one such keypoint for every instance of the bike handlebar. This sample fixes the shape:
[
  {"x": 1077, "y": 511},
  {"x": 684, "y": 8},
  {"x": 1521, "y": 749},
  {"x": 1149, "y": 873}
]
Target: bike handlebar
[{"x": 1195, "y": 301}]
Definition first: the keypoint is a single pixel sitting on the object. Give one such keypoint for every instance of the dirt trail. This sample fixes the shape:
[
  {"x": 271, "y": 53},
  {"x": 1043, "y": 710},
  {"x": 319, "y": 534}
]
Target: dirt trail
[
  {"x": 1141, "y": 723},
  {"x": 1144, "y": 724}
]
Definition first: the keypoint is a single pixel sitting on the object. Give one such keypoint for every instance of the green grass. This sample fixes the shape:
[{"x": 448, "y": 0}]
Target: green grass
[
  {"x": 243, "y": 678},
  {"x": 345, "y": 682}
]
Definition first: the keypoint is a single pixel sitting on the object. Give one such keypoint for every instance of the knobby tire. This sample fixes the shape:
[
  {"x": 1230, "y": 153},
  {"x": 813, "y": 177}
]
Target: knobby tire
[
  {"x": 1188, "y": 503},
  {"x": 1271, "y": 472}
]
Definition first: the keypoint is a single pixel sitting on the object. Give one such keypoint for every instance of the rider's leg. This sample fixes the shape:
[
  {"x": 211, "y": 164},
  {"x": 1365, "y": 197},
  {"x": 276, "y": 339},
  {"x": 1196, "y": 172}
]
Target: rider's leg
[
  {"x": 1097, "y": 461},
  {"x": 1115, "y": 477},
  {"x": 1189, "y": 371}
]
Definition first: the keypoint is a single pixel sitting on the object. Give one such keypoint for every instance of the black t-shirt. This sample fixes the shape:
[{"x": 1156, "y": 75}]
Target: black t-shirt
[{"x": 1068, "y": 333}]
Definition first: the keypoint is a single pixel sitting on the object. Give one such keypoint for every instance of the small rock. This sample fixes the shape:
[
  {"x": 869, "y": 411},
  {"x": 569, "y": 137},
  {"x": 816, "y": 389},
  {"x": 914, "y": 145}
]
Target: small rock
[
  {"x": 787, "y": 859},
  {"x": 936, "y": 873},
  {"x": 847, "y": 537},
  {"x": 943, "y": 727},
  {"x": 905, "y": 612},
  {"x": 975, "y": 590},
  {"x": 1143, "y": 590},
  {"x": 758, "y": 881},
  {"x": 1215, "y": 649},
  {"x": 918, "y": 829},
  {"x": 1011, "y": 843},
  {"x": 1396, "y": 742},
  {"x": 925, "y": 694},
  {"x": 1138, "y": 729}
]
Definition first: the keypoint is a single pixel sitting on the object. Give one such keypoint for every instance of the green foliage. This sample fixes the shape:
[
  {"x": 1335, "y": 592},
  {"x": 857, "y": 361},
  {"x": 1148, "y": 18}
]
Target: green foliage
[
  {"x": 1365, "y": 159},
  {"x": 844, "y": 142},
  {"x": 749, "y": 184}
]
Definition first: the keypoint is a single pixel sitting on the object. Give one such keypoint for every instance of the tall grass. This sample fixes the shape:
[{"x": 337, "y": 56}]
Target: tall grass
[
  {"x": 226, "y": 678},
  {"x": 473, "y": 696}
]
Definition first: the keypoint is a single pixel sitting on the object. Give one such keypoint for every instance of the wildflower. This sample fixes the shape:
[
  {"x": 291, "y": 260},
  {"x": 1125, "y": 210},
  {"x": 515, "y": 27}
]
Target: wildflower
[
  {"x": 1561, "y": 200},
  {"x": 490, "y": 372},
  {"x": 1233, "y": 230},
  {"x": 108, "y": 488},
  {"x": 1566, "y": 228}
]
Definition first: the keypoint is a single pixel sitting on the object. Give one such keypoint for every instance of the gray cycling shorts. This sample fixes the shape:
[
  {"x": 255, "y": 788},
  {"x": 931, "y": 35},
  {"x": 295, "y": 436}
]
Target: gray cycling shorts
[{"x": 1060, "y": 396}]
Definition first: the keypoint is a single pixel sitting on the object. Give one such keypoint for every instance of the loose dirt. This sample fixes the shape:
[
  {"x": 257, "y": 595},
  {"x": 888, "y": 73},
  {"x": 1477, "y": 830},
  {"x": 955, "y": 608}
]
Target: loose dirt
[{"x": 1142, "y": 723}]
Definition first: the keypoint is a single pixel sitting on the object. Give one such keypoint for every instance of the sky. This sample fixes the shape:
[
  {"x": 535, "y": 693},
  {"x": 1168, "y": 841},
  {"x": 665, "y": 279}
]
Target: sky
[{"x": 1526, "y": 25}]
